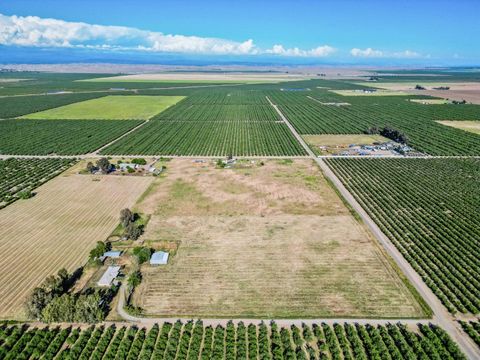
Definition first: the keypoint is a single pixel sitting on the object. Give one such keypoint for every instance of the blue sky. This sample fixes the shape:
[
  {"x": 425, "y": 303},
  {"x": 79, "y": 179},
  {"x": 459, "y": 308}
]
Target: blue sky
[{"x": 368, "y": 31}]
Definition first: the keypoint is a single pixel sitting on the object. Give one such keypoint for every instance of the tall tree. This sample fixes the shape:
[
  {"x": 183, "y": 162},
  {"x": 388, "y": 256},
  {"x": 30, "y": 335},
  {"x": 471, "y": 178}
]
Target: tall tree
[
  {"x": 126, "y": 217},
  {"x": 104, "y": 165}
]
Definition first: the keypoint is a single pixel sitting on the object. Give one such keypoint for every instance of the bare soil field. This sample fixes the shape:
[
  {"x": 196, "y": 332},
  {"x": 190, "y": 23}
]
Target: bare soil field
[
  {"x": 430, "y": 101},
  {"x": 471, "y": 126},
  {"x": 468, "y": 91},
  {"x": 57, "y": 228},
  {"x": 202, "y": 77},
  {"x": 263, "y": 241}
]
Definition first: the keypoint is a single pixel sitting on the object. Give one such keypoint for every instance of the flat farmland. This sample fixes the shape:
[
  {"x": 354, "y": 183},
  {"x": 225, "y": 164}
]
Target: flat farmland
[
  {"x": 202, "y": 77},
  {"x": 470, "y": 126},
  {"x": 429, "y": 210},
  {"x": 11, "y": 107},
  {"x": 65, "y": 137},
  {"x": 263, "y": 241},
  {"x": 57, "y": 228},
  {"x": 110, "y": 108},
  {"x": 17, "y": 175},
  {"x": 209, "y": 138}
]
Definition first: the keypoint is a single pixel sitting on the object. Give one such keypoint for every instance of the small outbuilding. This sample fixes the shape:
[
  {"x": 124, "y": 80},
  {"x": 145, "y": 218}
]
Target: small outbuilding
[
  {"x": 109, "y": 276},
  {"x": 126, "y": 166},
  {"x": 113, "y": 254},
  {"x": 159, "y": 258},
  {"x": 110, "y": 254}
]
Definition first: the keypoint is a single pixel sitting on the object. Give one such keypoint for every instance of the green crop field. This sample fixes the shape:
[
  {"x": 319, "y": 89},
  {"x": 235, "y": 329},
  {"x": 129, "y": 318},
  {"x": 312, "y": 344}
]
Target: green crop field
[
  {"x": 209, "y": 138},
  {"x": 111, "y": 108},
  {"x": 472, "y": 328},
  {"x": 429, "y": 208},
  {"x": 17, "y": 175},
  {"x": 69, "y": 137},
  {"x": 11, "y": 107},
  {"x": 417, "y": 121},
  {"x": 203, "y": 124},
  {"x": 193, "y": 340}
]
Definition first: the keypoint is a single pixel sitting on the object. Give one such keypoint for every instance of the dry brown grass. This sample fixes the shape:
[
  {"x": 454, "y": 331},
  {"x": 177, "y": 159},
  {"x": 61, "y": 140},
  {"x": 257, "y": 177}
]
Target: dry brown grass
[
  {"x": 265, "y": 241},
  {"x": 57, "y": 228},
  {"x": 470, "y": 126}
]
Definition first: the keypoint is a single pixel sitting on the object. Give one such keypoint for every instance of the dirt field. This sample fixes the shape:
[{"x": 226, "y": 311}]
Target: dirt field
[
  {"x": 263, "y": 241},
  {"x": 57, "y": 228},
  {"x": 471, "y": 126},
  {"x": 429, "y": 101},
  {"x": 468, "y": 91},
  {"x": 201, "y": 77}
]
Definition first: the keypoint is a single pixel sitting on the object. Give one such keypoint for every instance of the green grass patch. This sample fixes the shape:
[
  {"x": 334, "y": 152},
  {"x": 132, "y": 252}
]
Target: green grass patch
[{"x": 110, "y": 108}]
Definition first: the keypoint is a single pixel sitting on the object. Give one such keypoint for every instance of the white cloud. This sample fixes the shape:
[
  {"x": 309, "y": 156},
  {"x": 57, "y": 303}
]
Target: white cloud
[
  {"x": 320, "y": 51},
  {"x": 34, "y": 31},
  {"x": 369, "y": 52},
  {"x": 373, "y": 53}
]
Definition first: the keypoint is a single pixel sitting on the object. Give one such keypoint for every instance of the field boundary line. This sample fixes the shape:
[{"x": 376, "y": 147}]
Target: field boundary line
[
  {"x": 96, "y": 152},
  {"x": 292, "y": 129}
]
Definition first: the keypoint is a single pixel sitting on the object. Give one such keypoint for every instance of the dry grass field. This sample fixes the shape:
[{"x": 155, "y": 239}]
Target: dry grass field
[
  {"x": 471, "y": 126},
  {"x": 57, "y": 228},
  {"x": 468, "y": 91},
  {"x": 263, "y": 241}
]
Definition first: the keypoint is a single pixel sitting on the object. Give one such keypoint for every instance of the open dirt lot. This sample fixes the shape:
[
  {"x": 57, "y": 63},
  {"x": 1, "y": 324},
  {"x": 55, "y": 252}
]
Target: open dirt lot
[
  {"x": 57, "y": 228},
  {"x": 263, "y": 241},
  {"x": 471, "y": 126}
]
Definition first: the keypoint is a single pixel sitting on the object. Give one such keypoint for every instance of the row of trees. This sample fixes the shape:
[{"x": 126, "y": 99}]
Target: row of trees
[
  {"x": 52, "y": 301},
  {"x": 194, "y": 341},
  {"x": 388, "y": 132}
]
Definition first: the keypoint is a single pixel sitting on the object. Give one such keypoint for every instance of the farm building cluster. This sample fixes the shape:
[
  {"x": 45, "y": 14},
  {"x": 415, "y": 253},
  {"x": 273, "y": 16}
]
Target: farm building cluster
[
  {"x": 113, "y": 271},
  {"x": 377, "y": 149}
]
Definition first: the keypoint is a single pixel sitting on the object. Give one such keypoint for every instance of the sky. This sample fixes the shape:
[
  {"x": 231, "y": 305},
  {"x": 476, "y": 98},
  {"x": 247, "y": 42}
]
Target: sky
[{"x": 372, "y": 32}]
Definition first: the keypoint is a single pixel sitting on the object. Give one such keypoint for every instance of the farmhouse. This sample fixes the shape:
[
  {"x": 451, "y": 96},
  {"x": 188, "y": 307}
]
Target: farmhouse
[
  {"x": 110, "y": 274},
  {"x": 159, "y": 258}
]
